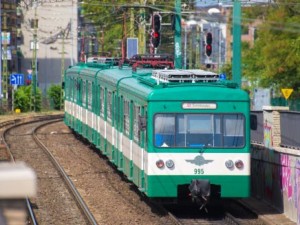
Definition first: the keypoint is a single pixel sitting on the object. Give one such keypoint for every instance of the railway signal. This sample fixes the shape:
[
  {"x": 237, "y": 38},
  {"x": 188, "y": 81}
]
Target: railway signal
[
  {"x": 208, "y": 47},
  {"x": 156, "y": 26}
]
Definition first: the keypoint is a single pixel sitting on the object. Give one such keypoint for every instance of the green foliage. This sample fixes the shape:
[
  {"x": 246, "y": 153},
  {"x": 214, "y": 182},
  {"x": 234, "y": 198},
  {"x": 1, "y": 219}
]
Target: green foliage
[
  {"x": 227, "y": 69},
  {"x": 38, "y": 100},
  {"x": 54, "y": 93},
  {"x": 109, "y": 16},
  {"x": 273, "y": 60},
  {"x": 23, "y": 99}
]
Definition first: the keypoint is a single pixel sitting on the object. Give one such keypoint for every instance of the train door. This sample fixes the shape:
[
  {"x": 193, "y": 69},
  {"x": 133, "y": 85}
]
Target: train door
[
  {"x": 89, "y": 111},
  {"x": 139, "y": 147},
  {"x": 108, "y": 124},
  {"x": 102, "y": 122},
  {"x": 119, "y": 114},
  {"x": 96, "y": 111},
  {"x": 125, "y": 138},
  {"x": 83, "y": 118},
  {"x": 79, "y": 105}
]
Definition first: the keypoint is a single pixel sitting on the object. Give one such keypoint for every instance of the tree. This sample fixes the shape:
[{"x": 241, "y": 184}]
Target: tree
[
  {"x": 108, "y": 15},
  {"x": 273, "y": 60}
]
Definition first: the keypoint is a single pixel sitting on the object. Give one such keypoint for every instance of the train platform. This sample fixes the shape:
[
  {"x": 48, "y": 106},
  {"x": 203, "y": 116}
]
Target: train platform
[{"x": 265, "y": 212}]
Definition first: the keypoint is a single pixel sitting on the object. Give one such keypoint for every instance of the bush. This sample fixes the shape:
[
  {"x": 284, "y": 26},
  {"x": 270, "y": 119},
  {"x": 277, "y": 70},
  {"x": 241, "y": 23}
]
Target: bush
[
  {"x": 23, "y": 99},
  {"x": 55, "y": 94}
]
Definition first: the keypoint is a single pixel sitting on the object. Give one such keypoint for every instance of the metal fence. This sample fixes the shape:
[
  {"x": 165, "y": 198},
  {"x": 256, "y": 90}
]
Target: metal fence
[{"x": 293, "y": 104}]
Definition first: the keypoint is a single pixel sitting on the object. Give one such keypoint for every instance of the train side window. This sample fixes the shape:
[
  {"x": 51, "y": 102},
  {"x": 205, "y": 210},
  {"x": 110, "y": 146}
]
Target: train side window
[
  {"x": 83, "y": 94},
  {"x": 136, "y": 130},
  {"x": 126, "y": 124},
  {"x": 142, "y": 123},
  {"x": 78, "y": 96},
  {"x": 89, "y": 93},
  {"x": 109, "y": 106},
  {"x": 102, "y": 102},
  {"x": 144, "y": 134}
]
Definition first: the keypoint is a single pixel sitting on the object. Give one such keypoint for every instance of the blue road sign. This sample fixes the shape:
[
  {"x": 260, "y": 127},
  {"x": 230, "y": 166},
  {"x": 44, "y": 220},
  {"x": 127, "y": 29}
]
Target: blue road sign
[
  {"x": 222, "y": 76},
  {"x": 17, "y": 79}
]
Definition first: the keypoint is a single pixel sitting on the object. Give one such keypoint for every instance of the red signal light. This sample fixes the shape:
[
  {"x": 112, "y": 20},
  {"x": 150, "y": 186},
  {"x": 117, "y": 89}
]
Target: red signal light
[
  {"x": 156, "y": 34},
  {"x": 155, "y": 39},
  {"x": 208, "y": 49}
]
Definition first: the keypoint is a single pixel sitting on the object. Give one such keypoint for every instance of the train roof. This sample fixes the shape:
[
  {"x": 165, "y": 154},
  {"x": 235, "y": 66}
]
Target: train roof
[{"x": 171, "y": 84}]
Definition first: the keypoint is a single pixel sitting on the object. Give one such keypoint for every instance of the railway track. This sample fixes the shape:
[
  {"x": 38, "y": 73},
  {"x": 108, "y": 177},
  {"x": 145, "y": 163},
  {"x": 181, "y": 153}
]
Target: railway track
[
  {"x": 55, "y": 201},
  {"x": 101, "y": 186},
  {"x": 63, "y": 151},
  {"x": 6, "y": 155},
  {"x": 224, "y": 212}
]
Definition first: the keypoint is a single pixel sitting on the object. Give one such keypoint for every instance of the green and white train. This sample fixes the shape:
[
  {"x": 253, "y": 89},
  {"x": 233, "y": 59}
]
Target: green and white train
[{"x": 175, "y": 134}]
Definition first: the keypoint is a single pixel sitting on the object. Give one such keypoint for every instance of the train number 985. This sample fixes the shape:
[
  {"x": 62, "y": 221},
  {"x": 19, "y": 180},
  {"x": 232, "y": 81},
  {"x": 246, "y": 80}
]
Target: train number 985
[{"x": 198, "y": 171}]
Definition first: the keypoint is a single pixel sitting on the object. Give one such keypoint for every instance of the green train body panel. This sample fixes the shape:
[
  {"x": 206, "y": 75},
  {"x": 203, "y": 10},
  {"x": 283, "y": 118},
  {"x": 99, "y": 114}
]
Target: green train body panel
[
  {"x": 107, "y": 105},
  {"x": 235, "y": 187}
]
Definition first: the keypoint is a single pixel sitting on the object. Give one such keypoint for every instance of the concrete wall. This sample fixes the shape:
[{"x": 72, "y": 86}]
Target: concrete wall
[{"x": 276, "y": 169}]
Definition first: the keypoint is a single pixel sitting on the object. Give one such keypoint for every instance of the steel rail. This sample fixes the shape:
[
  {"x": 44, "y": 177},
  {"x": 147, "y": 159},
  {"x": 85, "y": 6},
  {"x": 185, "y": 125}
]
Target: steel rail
[
  {"x": 64, "y": 175},
  {"x": 15, "y": 123}
]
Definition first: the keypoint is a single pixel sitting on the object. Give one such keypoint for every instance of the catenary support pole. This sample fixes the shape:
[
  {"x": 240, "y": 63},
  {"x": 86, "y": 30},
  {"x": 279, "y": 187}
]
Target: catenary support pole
[{"x": 236, "y": 63}]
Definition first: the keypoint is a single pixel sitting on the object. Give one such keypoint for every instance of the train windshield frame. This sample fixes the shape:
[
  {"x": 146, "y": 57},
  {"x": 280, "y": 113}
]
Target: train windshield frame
[{"x": 199, "y": 130}]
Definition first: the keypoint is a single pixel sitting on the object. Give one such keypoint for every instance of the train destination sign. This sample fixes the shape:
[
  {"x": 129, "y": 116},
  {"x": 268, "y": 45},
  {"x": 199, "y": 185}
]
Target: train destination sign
[{"x": 197, "y": 105}]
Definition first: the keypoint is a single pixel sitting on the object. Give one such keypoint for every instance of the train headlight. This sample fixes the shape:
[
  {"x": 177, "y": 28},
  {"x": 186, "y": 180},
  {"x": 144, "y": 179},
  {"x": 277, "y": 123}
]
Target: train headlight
[
  {"x": 160, "y": 164},
  {"x": 229, "y": 164},
  {"x": 239, "y": 164},
  {"x": 170, "y": 163}
]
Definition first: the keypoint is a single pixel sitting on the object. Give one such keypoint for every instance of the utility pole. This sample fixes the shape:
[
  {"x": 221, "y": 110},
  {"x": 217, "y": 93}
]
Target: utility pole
[
  {"x": 1, "y": 76},
  {"x": 63, "y": 32},
  {"x": 198, "y": 43},
  {"x": 236, "y": 63},
  {"x": 124, "y": 36},
  {"x": 34, "y": 58},
  {"x": 177, "y": 36},
  {"x": 142, "y": 30},
  {"x": 5, "y": 42}
]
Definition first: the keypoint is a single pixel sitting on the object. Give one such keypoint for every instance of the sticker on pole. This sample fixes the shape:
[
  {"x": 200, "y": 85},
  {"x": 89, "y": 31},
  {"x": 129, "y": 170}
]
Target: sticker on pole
[{"x": 287, "y": 92}]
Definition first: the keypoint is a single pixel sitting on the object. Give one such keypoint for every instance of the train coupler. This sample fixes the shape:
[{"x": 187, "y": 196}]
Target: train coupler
[{"x": 200, "y": 192}]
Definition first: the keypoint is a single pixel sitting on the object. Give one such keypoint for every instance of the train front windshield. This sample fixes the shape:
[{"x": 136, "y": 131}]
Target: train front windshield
[{"x": 199, "y": 130}]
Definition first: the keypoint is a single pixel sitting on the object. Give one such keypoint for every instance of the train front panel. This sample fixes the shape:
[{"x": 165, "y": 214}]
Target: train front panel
[{"x": 205, "y": 142}]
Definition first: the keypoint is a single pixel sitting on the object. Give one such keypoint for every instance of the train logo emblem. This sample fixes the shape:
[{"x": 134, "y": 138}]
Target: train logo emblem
[{"x": 199, "y": 160}]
